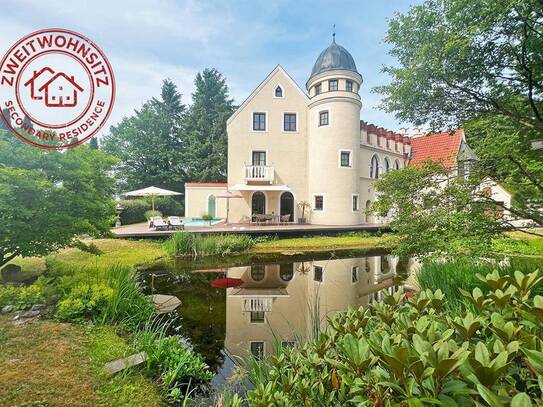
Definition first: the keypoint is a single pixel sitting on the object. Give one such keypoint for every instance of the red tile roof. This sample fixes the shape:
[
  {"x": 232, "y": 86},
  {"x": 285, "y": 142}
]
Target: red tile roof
[
  {"x": 441, "y": 147},
  {"x": 206, "y": 184}
]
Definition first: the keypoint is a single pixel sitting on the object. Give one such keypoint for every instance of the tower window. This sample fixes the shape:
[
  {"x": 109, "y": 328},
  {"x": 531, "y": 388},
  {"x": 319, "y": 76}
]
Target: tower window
[
  {"x": 317, "y": 273},
  {"x": 278, "y": 92},
  {"x": 319, "y": 203},
  {"x": 259, "y": 121},
  {"x": 345, "y": 159},
  {"x": 356, "y": 205},
  {"x": 318, "y": 89},
  {"x": 354, "y": 274},
  {"x": 332, "y": 85},
  {"x": 349, "y": 86},
  {"x": 323, "y": 118},
  {"x": 289, "y": 122}
]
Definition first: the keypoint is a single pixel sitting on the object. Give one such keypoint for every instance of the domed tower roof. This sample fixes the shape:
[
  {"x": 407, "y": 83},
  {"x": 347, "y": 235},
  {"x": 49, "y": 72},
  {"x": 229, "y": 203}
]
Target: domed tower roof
[{"x": 332, "y": 58}]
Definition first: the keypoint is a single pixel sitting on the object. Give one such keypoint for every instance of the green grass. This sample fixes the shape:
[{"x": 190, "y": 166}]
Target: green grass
[
  {"x": 129, "y": 388},
  {"x": 61, "y": 364},
  {"x": 324, "y": 243},
  {"x": 519, "y": 243}
]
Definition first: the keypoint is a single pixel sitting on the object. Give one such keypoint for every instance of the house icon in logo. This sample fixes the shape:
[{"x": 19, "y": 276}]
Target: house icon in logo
[{"x": 56, "y": 89}]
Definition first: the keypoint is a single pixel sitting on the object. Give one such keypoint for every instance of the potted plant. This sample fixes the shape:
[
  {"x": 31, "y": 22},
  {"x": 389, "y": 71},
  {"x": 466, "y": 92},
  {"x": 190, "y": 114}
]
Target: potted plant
[
  {"x": 303, "y": 206},
  {"x": 207, "y": 218}
]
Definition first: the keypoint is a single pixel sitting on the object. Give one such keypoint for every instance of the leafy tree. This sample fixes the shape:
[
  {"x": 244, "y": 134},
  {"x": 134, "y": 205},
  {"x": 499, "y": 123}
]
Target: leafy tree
[
  {"x": 435, "y": 212},
  {"x": 150, "y": 142},
  {"x": 48, "y": 198},
  {"x": 477, "y": 63},
  {"x": 206, "y": 150},
  {"x": 94, "y": 143}
]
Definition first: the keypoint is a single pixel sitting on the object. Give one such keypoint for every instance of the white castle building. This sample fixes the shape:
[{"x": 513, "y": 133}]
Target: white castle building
[{"x": 287, "y": 146}]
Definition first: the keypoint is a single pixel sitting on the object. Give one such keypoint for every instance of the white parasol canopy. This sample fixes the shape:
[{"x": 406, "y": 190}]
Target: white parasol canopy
[{"x": 152, "y": 192}]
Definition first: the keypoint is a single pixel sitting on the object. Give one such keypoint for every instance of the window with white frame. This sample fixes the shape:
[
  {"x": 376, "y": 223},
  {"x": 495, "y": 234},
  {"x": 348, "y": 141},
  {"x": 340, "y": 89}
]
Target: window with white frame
[
  {"x": 354, "y": 274},
  {"x": 324, "y": 118},
  {"x": 259, "y": 121},
  {"x": 318, "y": 273},
  {"x": 278, "y": 92},
  {"x": 289, "y": 122},
  {"x": 374, "y": 167},
  {"x": 257, "y": 317},
  {"x": 257, "y": 349},
  {"x": 356, "y": 204},
  {"x": 332, "y": 85},
  {"x": 318, "y": 204},
  {"x": 345, "y": 158}
]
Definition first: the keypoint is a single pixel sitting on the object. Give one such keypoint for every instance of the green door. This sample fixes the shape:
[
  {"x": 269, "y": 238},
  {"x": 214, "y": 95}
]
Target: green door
[{"x": 211, "y": 207}]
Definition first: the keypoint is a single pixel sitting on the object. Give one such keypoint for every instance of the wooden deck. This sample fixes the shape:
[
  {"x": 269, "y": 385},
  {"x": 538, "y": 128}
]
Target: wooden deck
[{"x": 142, "y": 230}]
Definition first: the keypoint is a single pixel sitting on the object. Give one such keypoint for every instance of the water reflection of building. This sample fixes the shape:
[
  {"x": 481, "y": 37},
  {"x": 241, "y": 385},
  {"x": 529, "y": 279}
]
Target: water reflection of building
[{"x": 286, "y": 302}]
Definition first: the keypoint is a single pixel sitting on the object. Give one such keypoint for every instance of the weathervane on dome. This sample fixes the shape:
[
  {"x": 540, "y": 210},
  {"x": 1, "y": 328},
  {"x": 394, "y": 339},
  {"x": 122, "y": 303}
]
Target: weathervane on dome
[{"x": 333, "y": 33}]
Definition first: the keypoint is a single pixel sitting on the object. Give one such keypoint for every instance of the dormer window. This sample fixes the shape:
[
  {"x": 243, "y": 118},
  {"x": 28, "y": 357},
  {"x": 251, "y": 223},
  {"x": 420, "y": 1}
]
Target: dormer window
[
  {"x": 332, "y": 85},
  {"x": 278, "y": 92}
]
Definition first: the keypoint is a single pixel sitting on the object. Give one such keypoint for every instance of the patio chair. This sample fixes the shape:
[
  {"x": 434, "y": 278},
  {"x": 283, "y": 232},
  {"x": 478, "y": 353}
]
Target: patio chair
[
  {"x": 175, "y": 222},
  {"x": 285, "y": 219},
  {"x": 260, "y": 219},
  {"x": 158, "y": 223}
]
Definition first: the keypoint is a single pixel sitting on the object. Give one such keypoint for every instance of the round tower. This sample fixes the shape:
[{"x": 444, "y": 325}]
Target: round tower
[{"x": 334, "y": 138}]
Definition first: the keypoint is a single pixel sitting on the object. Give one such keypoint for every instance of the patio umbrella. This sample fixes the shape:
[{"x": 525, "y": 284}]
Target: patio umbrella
[
  {"x": 226, "y": 282},
  {"x": 229, "y": 195},
  {"x": 152, "y": 192}
]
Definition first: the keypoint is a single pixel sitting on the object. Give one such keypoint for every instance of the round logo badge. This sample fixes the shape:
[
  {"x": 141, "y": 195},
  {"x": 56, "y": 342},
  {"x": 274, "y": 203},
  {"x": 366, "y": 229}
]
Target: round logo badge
[{"x": 56, "y": 88}]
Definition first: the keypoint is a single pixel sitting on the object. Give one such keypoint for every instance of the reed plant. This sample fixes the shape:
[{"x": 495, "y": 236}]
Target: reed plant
[
  {"x": 184, "y": 244},
  {"x": 461, "y": 274}
]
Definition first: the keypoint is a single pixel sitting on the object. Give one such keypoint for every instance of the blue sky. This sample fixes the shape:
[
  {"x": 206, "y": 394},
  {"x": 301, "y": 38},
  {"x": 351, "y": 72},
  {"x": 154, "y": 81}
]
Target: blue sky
[{"x": 147, "y": 41}]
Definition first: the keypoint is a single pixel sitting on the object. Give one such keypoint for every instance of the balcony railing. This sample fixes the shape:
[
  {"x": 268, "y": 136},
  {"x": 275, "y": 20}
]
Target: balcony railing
[
  {"x": 257, "y": 304},
  {"x": 259, "y": 173}
]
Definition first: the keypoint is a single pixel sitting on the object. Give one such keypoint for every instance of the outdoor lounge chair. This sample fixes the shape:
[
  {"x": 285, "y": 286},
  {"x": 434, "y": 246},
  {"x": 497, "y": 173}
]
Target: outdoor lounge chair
[
  {"x": 158, "y": 223},
  {"x": 285, "y": 219},
  {"x": 175, "y": 222}
]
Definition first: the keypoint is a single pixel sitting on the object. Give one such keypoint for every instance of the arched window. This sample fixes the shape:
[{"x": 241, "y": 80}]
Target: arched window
[
  {"x": 387, "y": 165},
  {"x": 374, "y": 167},
  {"x": 258, "y": 203},
  {"x": 396, "y": 165},
  {"x": 212, "y": 206},
  {"x": 278, "y": 92}
]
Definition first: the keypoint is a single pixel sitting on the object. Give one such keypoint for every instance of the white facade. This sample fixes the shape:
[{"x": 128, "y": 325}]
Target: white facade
[{"x": 288, "y": 146}]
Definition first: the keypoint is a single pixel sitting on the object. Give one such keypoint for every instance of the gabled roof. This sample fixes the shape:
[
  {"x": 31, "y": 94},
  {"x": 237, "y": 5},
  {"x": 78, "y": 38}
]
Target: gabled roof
[
  {"x": 278, "y": 68},
  {"x": 38, "y": 74},
  {"x": 58, "y": 75},
  {"x": 440, "y": 147}
]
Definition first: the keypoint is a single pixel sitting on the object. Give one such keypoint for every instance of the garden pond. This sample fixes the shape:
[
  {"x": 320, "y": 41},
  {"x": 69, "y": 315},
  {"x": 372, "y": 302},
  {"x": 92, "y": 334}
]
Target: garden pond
[{"x": 240, "y": 305}]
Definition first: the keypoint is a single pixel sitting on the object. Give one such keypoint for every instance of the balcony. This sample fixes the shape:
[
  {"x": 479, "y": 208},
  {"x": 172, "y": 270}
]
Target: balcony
[
  {"x": 263, "y": 173},
  {"x": 257, "y": 304}
]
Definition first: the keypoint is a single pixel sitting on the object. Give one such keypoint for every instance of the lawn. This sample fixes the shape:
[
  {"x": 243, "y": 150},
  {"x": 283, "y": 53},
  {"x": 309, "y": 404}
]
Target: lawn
[
  {"x": 324, "y": 243},
  {"x": 45, "y": 363},
  {"x": 114, "y": 251}
]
